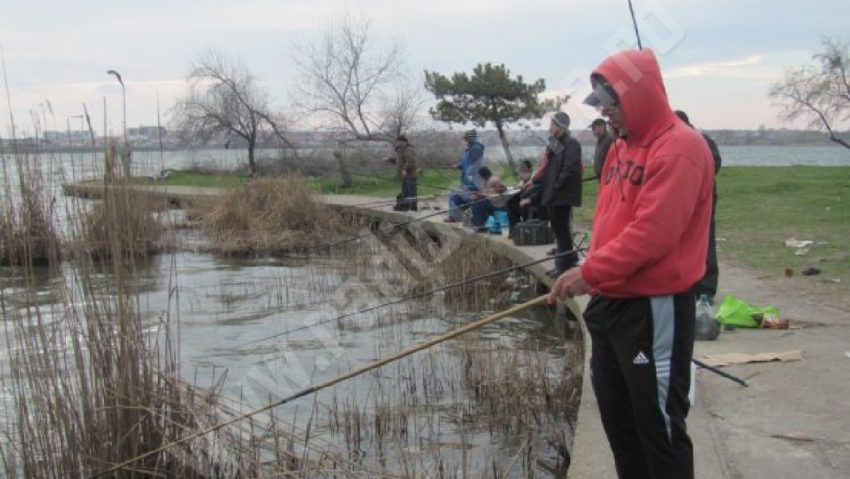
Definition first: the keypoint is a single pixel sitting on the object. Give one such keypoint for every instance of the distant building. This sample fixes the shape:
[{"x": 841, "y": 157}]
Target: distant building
[
  {"x": 146, "y": 133},
  {"x": 73, "y": 138}
]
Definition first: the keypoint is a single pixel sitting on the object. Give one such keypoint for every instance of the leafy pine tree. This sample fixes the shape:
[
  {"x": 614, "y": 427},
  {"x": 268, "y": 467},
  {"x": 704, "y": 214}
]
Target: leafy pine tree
[{"x": 490, "y": 94}]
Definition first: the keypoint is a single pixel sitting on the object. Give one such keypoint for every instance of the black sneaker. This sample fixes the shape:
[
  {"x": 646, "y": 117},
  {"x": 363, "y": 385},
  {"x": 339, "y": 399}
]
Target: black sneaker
[
  {"x": 552, "y": 252},
  {"x": 450, "y": 220}
]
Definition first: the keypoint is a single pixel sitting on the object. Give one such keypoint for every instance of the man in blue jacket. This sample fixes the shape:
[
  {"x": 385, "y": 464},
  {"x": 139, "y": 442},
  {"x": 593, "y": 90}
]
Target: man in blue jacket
[{"x": 470, "y": 162}]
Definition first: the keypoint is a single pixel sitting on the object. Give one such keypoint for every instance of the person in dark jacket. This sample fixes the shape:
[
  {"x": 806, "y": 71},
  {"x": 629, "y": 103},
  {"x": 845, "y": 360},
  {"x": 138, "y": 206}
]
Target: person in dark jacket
[
  {"x": 708, "y": 284},
  {"x": 522, "y": 205},
  {"x": 405, "y": 162},
  {"x": 650, "y": 234},
  {"x": 604, "y": 140},
  {"x": 470, "y": 162},
  {"x": 562, "y": 188}
]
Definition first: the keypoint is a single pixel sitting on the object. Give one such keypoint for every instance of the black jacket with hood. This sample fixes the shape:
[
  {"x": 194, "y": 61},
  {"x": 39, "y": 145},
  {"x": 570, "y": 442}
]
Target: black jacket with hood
[{"x": 562, "y": 177}]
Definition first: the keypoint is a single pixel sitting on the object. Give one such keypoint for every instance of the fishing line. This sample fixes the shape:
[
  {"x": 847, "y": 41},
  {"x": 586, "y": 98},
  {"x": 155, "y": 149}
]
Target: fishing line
[
  {"x": 413, "y": 296},
  {"x": 387, "y": 230},
  {"x": 418, "y": 183},
  {"x": 356, "y": 372},
  {"x": 388, "y": 201}
]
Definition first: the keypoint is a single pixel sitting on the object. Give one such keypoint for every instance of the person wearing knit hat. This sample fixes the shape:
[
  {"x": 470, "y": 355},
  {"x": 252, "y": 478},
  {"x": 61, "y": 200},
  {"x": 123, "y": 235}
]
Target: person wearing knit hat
[
  {"x": 470, "y": 163},
  {"x": 562, "y": 120},
  {"x": 562, "y": 188}
]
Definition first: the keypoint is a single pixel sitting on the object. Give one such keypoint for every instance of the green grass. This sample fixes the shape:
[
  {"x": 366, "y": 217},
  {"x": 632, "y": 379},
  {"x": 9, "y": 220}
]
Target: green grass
[
  {"x": 194, "y": 178},
  {"x": 431, "y": 181},
  {"x": 760, "y": 207}
]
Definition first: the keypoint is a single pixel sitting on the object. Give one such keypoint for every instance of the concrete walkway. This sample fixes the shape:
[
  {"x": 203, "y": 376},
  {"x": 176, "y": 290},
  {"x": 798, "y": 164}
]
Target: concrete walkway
[{"x": 794, "y": 419}]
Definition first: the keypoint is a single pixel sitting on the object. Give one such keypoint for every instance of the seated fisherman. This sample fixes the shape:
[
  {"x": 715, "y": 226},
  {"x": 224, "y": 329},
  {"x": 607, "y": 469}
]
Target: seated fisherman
[
  {"x": 521, "y": 206},
  {"x": 489, "y": 199}
]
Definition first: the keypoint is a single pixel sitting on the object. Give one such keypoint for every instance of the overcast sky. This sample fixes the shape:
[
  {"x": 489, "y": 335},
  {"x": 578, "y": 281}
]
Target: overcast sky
[{"x": 719, "y": 57}]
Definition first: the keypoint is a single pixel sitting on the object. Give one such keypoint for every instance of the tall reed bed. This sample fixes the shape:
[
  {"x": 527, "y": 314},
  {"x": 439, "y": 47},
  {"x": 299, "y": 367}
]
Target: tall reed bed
[
  {"x": 266, "y": 216},
  {"x": 27, "y": 231},
  {"x": 498, "y": 403},
  {"x": 95, "y": 379},
  {"x": 92, "y": 383}
]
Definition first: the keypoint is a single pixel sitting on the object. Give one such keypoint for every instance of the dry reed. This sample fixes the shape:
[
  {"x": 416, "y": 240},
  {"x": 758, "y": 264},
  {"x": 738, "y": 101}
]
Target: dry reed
[
  {"x": 94, "y": 386},
  {"x": 267, "y": 216},
  {"x": 124, "y": 223},
  {"x": 27, "y": 233}
]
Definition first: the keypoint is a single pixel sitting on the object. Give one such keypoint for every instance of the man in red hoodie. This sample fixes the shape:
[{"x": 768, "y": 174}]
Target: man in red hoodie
[{"x": 650, "y": 233}]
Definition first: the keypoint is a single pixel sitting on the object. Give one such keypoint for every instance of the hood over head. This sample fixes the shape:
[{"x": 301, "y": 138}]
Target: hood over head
[{"x": 635, "y": 78}]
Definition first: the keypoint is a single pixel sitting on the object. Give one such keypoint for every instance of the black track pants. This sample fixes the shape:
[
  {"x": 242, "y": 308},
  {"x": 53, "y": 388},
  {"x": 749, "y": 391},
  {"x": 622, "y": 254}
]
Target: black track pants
[
  {"x": 708, "y": 283},
  {"x": 640, "y": 366},
  {"x": 561, "y": 219}
]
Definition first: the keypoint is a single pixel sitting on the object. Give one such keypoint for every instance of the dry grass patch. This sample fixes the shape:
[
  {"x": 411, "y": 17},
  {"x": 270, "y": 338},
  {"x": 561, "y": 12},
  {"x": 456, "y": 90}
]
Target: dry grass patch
[
  {"x": 267, "y": 216},
  {"x": 124, "y": 223},
  {"x": 27, "y": 232}
]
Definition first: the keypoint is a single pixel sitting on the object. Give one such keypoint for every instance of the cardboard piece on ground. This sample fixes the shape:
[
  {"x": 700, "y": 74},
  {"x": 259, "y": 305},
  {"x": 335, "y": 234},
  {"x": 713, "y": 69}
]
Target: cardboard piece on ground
[{"x": 720, "y": 360}]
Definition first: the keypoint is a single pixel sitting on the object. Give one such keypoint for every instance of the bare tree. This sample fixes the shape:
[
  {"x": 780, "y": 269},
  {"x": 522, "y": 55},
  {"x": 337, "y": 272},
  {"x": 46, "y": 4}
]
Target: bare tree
[
  {"x": 346, "y": 79},
  {"x": 402, "y": 106},
  {"x": 224, "y": 101},
  {"x": 819, "y": 95}
]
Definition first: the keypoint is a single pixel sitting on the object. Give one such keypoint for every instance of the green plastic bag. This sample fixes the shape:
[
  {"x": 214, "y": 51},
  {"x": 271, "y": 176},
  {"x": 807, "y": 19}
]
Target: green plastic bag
[{"x": 738, "y": 313}]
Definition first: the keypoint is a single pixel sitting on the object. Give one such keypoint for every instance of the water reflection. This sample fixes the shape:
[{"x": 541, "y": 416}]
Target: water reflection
[{"x": 461, "y": 398}]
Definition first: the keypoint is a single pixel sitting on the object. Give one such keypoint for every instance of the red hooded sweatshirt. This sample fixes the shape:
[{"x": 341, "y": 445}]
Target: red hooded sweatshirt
[{"x": 650, "y": 229}]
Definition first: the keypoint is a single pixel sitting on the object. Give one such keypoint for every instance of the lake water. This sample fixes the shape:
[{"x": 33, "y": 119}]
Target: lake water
[
  {"x": 65, "y": 167},
  {"x": 825, "y": 155},
  {"x": 262, "y": 329}
]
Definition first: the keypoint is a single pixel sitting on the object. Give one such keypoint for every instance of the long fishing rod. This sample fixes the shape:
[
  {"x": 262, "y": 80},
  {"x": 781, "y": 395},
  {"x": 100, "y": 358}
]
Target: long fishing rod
[
  {"x": 389, "y": 201},
  {"x": 318, "y": 387},
  {"x": 418, "y": 183},
  {"x": 634, "y": 22},
  {"x": 413, "y": 296}
]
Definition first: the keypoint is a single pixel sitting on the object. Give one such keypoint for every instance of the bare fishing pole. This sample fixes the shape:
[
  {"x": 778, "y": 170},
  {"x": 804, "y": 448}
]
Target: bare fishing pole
[
  {"x": 414, "y": 296},
  {"x": 634, "y": 22},
  {"x": 318, "y": 387}
]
